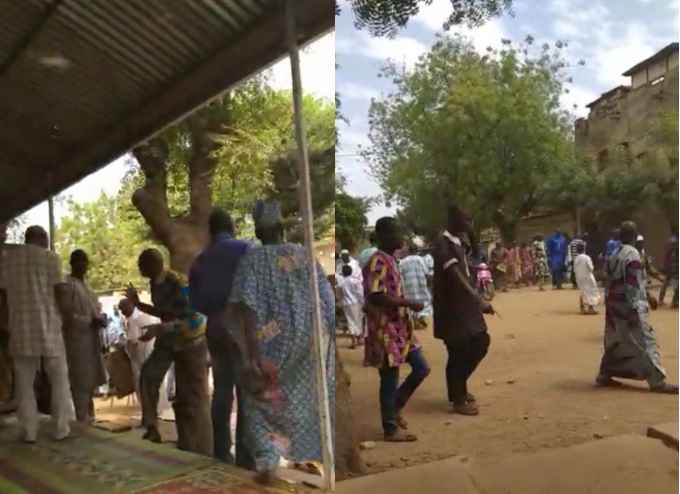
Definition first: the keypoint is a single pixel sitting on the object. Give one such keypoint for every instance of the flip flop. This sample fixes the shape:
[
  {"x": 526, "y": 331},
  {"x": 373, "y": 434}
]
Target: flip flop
[
  {"x": 400, "y": 437},
  {"x": 665, "y": 388},
  {"x": 607, "y": 382}
]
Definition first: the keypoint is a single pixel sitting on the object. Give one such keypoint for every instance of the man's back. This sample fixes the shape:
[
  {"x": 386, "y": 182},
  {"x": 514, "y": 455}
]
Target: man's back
[
  {"x": 414, "y": 278},
  {"x": 29, "y": 275},
  {"x": 213, "y": 272}
]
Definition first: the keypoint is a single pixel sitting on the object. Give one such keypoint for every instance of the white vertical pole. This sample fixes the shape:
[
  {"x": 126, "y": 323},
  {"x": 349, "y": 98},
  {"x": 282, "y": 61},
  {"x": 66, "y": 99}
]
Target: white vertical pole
[{"x": 320, "y": 342}]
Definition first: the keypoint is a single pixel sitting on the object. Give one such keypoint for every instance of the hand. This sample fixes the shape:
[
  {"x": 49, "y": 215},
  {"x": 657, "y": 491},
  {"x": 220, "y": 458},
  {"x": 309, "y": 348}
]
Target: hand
[
  {"x": 486, "y": 307},
  {"x": 98, "y": 322},
  {"x": 151, "y": 332},
  {"x": 132, "y": 295}
]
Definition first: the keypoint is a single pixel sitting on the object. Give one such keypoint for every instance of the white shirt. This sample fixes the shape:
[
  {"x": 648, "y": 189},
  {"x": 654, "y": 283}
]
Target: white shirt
[
  {"x": 352, "y": 290},
  {"x": 135, "y": 323}
]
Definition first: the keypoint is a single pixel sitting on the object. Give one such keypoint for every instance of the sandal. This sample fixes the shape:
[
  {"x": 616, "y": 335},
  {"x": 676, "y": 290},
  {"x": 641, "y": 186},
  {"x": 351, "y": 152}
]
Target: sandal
[
  {"x": 400, "y": 437},
  {"x": 469, "y": 409},
  {"x": 402, "y": 423},
  {"x": 606, "y": 381},
  {"x": 665, "y": 388}
]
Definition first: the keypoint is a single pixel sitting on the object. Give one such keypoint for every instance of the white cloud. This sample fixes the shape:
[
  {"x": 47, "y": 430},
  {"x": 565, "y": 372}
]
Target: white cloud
[
  {"x": 615, "y": 52},
  {"x": 402, "y": 49},
  {"x": 434, "y": 15},
  {"x": 352, "y": 90},
  {"x": 317, "y": 66},
  {"x": 579, "y": 96}
]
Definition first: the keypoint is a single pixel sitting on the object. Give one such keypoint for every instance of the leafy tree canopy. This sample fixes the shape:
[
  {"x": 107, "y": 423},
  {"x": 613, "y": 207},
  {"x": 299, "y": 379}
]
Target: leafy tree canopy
[
  {"x": 482, "y": 131},
  {"x": 386, "y": 17}
]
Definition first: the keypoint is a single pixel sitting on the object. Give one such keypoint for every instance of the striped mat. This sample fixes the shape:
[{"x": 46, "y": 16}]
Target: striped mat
[{"x": 97, "y": 462}]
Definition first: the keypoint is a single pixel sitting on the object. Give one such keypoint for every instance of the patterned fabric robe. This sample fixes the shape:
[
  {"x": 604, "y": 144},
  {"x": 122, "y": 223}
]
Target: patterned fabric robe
[
  {"x": 540, "y": 260},
  {"x": 272, "y": 284},
  {"x": 630, "y": 349}
]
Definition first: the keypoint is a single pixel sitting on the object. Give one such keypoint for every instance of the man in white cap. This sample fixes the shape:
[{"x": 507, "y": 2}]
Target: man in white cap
[{"x": 347, "y": 260}]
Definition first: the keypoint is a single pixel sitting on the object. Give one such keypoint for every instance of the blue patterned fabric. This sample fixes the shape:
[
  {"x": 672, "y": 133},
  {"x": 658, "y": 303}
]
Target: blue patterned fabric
[{"x": 273, "y": 282}]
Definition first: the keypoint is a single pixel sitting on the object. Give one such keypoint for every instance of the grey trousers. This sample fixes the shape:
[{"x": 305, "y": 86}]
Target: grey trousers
[{"x": 192, "y": 398}]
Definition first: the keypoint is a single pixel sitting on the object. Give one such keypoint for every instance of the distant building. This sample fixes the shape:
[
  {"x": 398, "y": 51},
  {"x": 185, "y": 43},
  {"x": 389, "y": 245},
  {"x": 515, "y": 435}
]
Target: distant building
[{"x": 620, "y": 120}]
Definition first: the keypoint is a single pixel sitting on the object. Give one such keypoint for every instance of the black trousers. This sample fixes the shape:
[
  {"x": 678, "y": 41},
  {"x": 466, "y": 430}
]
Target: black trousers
[{"x": 464, "y": 357}]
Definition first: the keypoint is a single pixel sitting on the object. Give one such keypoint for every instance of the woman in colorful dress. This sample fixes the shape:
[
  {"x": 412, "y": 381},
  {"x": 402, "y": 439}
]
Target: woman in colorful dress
[
  {"x": 528, "y": 268},
  {"x": 541, "y": 270},
  {"x": 270, "y": 318}
]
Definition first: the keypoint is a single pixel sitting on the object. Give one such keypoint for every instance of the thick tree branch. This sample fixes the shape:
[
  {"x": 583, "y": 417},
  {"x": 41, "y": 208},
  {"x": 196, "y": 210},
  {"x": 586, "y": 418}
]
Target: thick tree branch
[{"x": 151, "y": 200}]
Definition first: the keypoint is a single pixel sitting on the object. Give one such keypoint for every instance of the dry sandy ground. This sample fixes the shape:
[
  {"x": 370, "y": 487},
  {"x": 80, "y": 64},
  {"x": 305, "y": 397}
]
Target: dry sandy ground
[{"x": 552, "y": 353}]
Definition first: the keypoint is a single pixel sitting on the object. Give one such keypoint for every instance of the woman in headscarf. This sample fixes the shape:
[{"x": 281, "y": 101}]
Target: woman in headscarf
[
  {"x": 270, "y": 318},
  {"x": 83, "y": 323}
]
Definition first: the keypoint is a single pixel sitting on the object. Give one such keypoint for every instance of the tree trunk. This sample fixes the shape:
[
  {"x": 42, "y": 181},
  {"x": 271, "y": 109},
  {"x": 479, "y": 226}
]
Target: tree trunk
[{"x": 347, "y": 457}]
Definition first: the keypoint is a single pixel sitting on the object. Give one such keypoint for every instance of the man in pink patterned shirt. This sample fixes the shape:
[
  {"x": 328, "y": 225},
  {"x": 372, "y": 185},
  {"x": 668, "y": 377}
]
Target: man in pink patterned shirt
[{"x": 391, "y": 342}]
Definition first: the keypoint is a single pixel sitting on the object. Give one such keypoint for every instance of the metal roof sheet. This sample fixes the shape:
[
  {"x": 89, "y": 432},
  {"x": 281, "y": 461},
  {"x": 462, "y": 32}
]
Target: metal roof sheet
[{"x": 82, "y": 81}]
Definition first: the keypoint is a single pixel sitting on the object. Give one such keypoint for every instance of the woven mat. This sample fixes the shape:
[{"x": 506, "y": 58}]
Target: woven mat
[
  {"x": 98, "y": 462},
  {"x": 94, "y": 462}
]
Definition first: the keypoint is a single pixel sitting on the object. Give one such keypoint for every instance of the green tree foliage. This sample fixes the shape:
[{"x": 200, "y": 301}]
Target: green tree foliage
[
  {"x": 386, "y": 17},
  {"x": 253, "y": 159},
  {"x": 350, "y": 217},
  {"x": 484, "y": 132},
  {"x": 110, "y": 239}
]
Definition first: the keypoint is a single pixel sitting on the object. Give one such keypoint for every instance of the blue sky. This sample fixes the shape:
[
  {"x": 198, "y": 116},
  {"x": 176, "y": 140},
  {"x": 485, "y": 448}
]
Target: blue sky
[
  {"x": 318, "y": 78},
  {"x": 610, "y": 35}
]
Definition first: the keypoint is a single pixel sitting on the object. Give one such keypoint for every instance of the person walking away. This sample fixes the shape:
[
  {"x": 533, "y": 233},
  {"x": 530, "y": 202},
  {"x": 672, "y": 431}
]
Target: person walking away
[
  {"x": 499, "y": 266},
  {"x": 556, "y": 249},
  {"x": 630, "y": 348},
  {"x": 528, "y": 266},
  {"x": 572, "y": 252},
  {"x": 352, "y": 301},
  {"x": 390, "y": 342},
  {"x": 210, "y": 281},
  {"x": 29, "y": 279},
  {"x": 82, "y": 337},
  {"x": 137, "y": 350},
  {"x": 413, "y": 271},
  {"x": 540, "y": 261},
  {"x": 670, "y": 271},
  {"x": 368, "y": 252},
  {"x": 269, "y": 316},
  {"x": 180, "y": 340},
  {"x": 458, "y": 310},
  {"x": 584, "y": 273}
]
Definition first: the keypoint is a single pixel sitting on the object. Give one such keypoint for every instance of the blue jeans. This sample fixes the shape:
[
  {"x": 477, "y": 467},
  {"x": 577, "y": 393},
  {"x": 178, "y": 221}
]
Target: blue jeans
[
  {"x": 224, "y": 384},
  {"x": 394, "y": 397}
]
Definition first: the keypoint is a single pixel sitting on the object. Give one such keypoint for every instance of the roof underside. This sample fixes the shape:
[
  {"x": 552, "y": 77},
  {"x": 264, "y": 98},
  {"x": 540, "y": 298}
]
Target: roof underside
[{"x": 83, "y": 81}]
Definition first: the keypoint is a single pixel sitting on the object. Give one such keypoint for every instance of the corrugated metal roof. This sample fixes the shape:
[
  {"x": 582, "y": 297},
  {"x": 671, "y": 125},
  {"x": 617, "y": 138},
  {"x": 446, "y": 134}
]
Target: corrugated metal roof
[{"x": 84, "y": 80}]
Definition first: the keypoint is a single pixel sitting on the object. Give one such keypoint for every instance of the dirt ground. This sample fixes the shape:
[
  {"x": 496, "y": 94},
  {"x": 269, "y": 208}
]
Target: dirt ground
[{"x": 552, "y": 354}]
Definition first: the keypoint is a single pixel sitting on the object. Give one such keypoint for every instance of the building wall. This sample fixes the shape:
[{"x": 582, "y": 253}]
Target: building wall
[{"x": 625, "y": 118}]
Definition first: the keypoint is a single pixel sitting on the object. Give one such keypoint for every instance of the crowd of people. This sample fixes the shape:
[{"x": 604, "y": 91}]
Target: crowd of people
[
  {"x": 245, "y": 311},
  {"x": 401, "y": 287}
]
